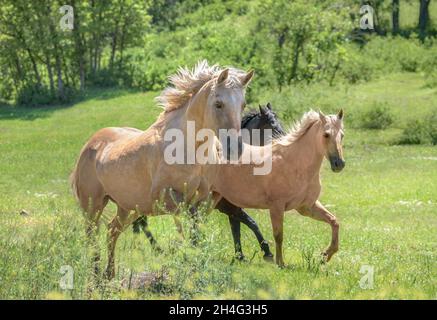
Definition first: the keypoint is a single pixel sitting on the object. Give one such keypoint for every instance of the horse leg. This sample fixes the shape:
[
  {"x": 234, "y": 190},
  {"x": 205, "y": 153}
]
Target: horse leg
[
  {"x": 248, "y": 221},
  {"x": 194, "y": 231},
  {"x": 115, "y": 229},
  {"x": 236, "y": 235},
  {"x": 319, "y": 212},
  {"x": 94, "y": 212},
  {"x": 224, "y": 206},
  {"x": 178, "y": 224},
  {"x": 277, "y": 217},
  {"x": 142, "y": 221},
  {"x": 91, "y": 233}
]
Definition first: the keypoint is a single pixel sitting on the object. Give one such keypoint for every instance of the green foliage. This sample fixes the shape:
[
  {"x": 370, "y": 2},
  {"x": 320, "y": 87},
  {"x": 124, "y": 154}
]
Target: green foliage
[
  {"x": 432, "y": 127},
  {"x": 416, "y": 132},
  {"x": 139, "y": 43},
  {"x": 378, "y": 117},
  {"x": 429, "y": 68},
  {"x": 34, "y": 95},
  {"x": 306, "y": 39},
  {"x": 356, "y": 66},
  {"x": 396, "y": 53},
  {"x": 35, "y": 52},
  {"x": 421, "y": 131}
]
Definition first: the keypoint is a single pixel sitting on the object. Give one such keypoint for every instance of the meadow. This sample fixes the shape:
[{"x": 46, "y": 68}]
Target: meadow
[{"x": 385, "y": 200}]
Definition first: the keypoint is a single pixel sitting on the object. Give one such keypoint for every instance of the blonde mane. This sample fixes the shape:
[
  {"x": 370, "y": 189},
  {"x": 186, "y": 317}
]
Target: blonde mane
[
  {"x": 185, "y": 83},
  {"x": 298, "y": 129}
]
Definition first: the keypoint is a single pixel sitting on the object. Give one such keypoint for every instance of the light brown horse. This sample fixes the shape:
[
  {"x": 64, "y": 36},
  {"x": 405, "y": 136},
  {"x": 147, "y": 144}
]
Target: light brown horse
[
  {"x": 127, "y": 166},
  {"x": 294, "y": 180}
]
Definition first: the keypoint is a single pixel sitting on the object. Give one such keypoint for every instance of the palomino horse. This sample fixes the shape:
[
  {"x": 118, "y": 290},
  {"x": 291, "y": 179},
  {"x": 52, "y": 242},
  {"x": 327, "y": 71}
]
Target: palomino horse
[
  {"x": 294, "y": 180},
  {"x": 263, "y": 119},
  {"x": 128, "y": 167}
]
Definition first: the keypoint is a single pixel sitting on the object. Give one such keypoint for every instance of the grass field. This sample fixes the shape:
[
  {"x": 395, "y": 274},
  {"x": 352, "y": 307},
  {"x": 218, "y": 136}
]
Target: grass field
[{"x": 385, "y": 199}]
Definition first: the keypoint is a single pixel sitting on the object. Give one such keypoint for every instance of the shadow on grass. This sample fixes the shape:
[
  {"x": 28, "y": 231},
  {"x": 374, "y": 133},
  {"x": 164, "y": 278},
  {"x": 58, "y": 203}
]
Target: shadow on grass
[{"x": 10, "y": 112}]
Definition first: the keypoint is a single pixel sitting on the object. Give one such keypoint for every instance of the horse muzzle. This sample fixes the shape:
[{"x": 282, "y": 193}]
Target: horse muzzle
[{"x": 337, "y": 164}]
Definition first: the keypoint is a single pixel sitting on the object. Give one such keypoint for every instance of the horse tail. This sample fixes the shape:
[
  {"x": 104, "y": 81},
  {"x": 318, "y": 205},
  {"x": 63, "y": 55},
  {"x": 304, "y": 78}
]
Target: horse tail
[{"x": 73, "y": 181}]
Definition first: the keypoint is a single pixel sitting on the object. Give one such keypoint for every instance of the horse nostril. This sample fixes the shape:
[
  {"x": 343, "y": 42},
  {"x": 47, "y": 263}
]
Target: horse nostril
[{"x": 339, "y": 163}]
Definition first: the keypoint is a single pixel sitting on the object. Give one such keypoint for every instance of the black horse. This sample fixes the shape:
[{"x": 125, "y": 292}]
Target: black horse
[{"x": 263, "y": 119}]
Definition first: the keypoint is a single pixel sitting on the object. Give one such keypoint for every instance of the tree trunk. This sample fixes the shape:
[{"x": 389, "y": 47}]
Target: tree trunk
[
  {"x": 115, "y": 36},
  {"x": 423, "y": 17},
  {"x": 58, "y": 63},
  {"x": 18, "y": 68},
  {"x": 50, "y": 73},
  {"x": 35, "y": 67},
  {"x": 395, "y": 16},
  {"x": 80, "y": 51},
  {"x": 61, "y": 93},
  {"x": 296, "y": 52}
]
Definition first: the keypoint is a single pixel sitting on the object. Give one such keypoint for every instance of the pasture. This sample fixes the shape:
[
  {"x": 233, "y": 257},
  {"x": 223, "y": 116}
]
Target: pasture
[{"x": 385, "y": 200}]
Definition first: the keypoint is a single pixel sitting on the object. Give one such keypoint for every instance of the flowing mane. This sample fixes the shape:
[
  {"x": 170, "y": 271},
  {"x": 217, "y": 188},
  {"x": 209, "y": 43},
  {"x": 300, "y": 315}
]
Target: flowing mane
[
  {"x": 185, "y": 83},
  {"x": 298, "y": 129}
]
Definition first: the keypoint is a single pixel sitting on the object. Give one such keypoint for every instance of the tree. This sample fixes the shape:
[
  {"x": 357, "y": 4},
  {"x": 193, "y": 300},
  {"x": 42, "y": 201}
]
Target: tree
[
  {"x": 36, "y": 54},
  {"x": 423, "y": 17},
  {"x": 301, "y": 30},
  {"x": 395, "y": 16}
]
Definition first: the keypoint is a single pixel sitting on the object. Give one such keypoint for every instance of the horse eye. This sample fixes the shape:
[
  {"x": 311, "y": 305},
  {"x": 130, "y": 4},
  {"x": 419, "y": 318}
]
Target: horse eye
[
  {"x": 218, "y": 105},
  {"x": 326, "y": 135}
]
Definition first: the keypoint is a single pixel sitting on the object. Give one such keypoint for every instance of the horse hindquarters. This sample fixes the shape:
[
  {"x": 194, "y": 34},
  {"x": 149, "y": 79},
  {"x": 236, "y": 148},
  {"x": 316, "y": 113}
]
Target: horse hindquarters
[{"x": 86, "y": 186}]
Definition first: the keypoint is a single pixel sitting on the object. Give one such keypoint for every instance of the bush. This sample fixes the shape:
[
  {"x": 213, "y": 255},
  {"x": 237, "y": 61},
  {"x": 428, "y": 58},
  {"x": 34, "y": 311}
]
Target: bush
[
  {"x": 432, "y": 127},
  {"x": 421, "y": 131},
  {"x": 378, "y": 117},
  {"x": 33, "y": 95},
  {"x": 105, "y": 78},
  {"x": 429, "y": 68},
  {"x": 415, "y": 133}
]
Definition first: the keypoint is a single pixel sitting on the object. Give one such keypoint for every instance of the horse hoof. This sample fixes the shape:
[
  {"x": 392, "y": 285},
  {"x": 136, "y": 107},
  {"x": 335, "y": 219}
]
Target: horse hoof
[
  {"x": 324, "y": 258},
  {"x": 109, "y": 275},
  {"x": 157, "y": 250},
  {"x": 240, "y": 257},
  {"x": 268, "y": 257}
]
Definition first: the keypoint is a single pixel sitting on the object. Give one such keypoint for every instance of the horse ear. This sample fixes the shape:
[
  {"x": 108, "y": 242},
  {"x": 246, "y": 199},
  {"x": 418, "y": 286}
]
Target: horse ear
[
  {"x": 269, "y": 106},
  {"x": 340, "y": 114},
  {"x": 322, "y": 117},
  {"x": 223, "y": 76},
  {"x": 262, "y": 109},
  {"x": 247, "y": 77}
]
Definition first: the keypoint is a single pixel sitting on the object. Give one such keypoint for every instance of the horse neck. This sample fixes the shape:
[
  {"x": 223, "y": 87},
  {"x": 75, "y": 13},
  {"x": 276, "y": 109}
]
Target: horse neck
[
  {"x": 179, "y": 118},
  {"x": 304, "y": 152}
]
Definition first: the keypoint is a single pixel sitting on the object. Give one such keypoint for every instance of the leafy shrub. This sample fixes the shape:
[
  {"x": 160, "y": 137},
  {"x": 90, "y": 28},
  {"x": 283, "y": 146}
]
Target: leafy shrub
[
  {"x": 394, "y": 54},
  {"x": 105, "y": 78},
  {"x": 356, "y": 67},
  {"x": 432, "y": 127},
  {"x": 429, "y": 68},
  {"x": 378, "y": 117},
  {"x": 416, "y": 132},
  {"x": 422, "y": 131},
  {"x": 33, "y": 95}
]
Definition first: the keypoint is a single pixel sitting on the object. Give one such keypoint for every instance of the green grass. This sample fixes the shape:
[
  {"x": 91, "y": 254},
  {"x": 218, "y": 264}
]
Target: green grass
[{"x": 385, "y": 199}]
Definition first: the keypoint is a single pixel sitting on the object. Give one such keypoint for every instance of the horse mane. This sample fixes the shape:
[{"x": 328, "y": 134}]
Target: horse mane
[
  {"x": 298, "y": 129},
  {"x": 185, "y": 83},
  {"x": 249, "y": 116}
]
